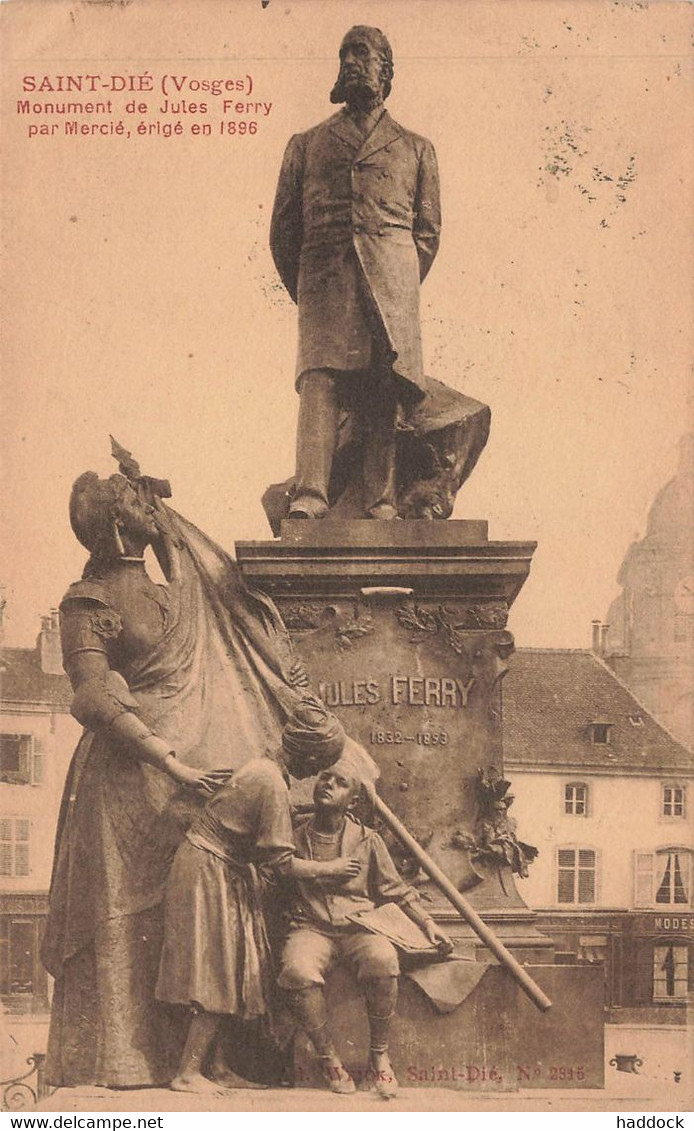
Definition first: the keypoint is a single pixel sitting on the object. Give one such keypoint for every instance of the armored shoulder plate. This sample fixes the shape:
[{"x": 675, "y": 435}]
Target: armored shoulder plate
[{"x": 88, "y": 590}]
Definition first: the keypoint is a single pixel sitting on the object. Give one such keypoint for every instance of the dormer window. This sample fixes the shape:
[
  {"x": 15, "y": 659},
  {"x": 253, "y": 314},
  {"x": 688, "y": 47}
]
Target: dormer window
[{"x": 600, "y": 732}]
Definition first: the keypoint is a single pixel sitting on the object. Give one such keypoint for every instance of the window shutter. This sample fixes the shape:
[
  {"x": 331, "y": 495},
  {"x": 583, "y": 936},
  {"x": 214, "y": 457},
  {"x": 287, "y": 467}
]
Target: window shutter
[
  {"x": 26, "y": 750},
  {"x": 37, "y": 775},
  {"x": 21, "y": 859},
  {"x": 566, "y": 860},
  {"x": 14, "y": 846},
  {"x": 21, "y": 847},
  {"x": 586, "y": 876},
  {"x": 643, "y": 880}
]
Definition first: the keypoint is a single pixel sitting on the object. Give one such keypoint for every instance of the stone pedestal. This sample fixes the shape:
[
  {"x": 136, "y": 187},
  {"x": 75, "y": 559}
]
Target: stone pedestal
[
  {"x": 494, "y": 1041},
  {"x": 474, "y": 1048},
  {"x": 402, "y": 627}
]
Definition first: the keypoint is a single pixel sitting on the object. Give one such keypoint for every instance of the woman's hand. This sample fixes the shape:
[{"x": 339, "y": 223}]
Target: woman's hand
[
  {"x": 298, "y": 676},
  {"x": 341, "y": 869},
  {"x": 204, "y": 781},
  {"x": 437, "y": 938}
]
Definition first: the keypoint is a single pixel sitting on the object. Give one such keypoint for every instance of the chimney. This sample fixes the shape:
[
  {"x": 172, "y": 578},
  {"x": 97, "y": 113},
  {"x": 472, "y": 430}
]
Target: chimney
[
  {"x": 596, "y": 637},
  {"x": 48, "y": 644}
]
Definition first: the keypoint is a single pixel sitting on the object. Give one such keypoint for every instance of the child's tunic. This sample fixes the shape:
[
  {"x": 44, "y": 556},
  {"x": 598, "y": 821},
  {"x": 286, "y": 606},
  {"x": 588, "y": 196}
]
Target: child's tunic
[{"x": 215, "y": 952}]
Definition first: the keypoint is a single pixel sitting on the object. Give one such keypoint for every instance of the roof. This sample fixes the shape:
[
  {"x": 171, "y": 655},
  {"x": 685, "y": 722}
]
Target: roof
[
  {"x": 22, "y": 680},
  {"x": 550, "y": 698}
]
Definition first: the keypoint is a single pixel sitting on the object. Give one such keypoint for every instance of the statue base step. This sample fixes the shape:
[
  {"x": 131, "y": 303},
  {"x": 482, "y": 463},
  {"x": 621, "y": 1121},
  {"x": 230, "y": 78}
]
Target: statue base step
[{"x": 494, "y": 1041}]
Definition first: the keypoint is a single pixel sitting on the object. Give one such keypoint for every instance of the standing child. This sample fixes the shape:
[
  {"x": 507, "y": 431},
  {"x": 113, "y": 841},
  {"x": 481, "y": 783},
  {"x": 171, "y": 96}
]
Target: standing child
[{"x": 215, "y": 957}]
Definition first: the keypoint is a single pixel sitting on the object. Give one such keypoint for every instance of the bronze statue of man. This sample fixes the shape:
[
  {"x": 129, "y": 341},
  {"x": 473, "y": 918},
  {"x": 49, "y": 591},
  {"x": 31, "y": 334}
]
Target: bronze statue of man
[{"x": 355, "y": 229}]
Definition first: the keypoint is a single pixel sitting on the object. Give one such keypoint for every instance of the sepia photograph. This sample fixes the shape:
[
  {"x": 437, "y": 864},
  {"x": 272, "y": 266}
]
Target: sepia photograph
[{"x": 347, "y": 594}]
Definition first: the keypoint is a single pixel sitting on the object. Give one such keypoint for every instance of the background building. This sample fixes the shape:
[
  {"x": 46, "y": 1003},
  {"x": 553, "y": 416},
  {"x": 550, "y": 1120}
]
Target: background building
[
  {"x": 37, "y": 737},
  {"x": 649, "y": 634},
  {"x": 604, "y": 792}
]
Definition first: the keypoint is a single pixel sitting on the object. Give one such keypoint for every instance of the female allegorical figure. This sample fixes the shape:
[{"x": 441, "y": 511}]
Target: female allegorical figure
[{"x": 172, "y": 683}]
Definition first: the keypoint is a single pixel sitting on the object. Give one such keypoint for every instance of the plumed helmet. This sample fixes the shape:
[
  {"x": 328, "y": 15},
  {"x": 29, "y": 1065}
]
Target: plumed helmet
[{"x": 92, "y": 505}]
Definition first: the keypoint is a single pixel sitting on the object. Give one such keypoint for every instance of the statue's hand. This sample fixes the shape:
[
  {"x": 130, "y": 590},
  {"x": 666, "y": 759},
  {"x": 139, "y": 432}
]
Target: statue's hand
[
  {"x": 206, "y": 782},
  {"x": 298, "y": 676},
  {"x": 342, "y": 869},
  {"x": 438, "y": 938}
]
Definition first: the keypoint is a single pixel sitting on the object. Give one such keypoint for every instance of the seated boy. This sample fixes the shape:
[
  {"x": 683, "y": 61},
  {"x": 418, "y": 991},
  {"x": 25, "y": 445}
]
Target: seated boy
[{"x": 321, "y": 934}]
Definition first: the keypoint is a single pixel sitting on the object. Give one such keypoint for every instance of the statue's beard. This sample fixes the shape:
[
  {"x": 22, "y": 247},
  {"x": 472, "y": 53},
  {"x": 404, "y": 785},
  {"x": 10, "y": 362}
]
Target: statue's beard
[{"x": 361, "y": 94}]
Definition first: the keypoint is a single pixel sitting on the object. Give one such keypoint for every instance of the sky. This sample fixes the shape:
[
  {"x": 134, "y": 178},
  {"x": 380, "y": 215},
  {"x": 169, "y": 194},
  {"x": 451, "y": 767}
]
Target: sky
[{"x": 141, "y": 299}]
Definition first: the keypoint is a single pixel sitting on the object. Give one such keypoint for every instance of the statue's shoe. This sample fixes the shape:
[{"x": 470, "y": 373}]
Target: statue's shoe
[
  {"x": 384, "y": 512},
  {"x": 337, "y": 1077},
  {"x": 306, "y": 506},
  {"x": 385, "y": 1081}
]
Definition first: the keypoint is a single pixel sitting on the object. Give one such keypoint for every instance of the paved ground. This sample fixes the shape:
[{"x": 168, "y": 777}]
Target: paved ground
[
  {"x": 663, "y": 1050},
  {"x": 300, "y": 1100}
]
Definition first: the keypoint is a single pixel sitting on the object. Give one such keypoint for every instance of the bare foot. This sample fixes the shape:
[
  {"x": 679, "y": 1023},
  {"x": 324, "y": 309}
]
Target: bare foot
[
  {"x": 385, "y": 1080},
  {"x": 195, "y": 1082},
  {"x": 336, "y": 1076},
  {"x": 228, "y": 1079}
]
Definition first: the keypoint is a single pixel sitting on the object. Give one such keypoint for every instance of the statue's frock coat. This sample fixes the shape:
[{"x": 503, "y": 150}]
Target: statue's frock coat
[{"x": 355, "y": 229}]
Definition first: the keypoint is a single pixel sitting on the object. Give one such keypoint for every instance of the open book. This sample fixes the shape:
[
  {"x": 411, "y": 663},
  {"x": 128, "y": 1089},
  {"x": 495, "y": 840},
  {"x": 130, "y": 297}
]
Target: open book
[{"x": 389, "y": 920}]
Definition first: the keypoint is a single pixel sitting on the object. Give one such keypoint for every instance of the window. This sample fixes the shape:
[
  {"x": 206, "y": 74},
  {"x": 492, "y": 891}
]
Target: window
[
  {"x": 576, "y": 799},
  {"x": 576, "y": 874},
  {"x": 600, "y": 733},
  {"x": 21, "y": 759},
  {"x": 663, "y": 878},
  {"x": 673, "y": 800},
  {"x": 592, "y": 949},
  {"x": 15, "y": 750},
  {"x": 21, "y": 972},
  {"x": 14, "y": 846},
  {"x": 669, "y": 972}
]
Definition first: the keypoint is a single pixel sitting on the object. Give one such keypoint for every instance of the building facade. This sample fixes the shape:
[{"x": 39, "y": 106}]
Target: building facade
[
  {"x": 37, "y": 737},
  {"x": 605, "y": 793}
]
